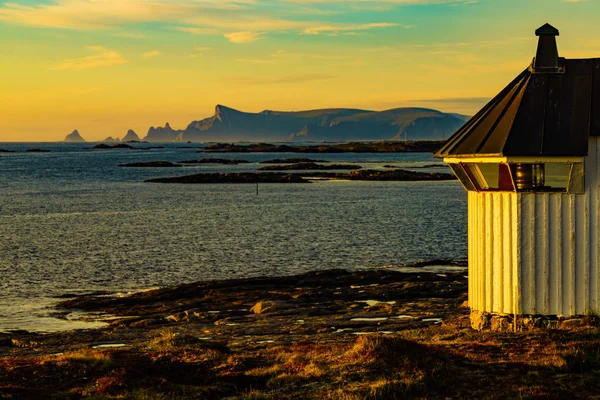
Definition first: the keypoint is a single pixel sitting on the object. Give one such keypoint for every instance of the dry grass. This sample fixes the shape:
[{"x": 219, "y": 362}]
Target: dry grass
[{"x": 450, "y": 361}]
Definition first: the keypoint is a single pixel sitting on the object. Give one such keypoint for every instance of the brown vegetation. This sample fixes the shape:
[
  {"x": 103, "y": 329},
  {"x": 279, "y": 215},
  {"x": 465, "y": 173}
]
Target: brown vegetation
[
  {"x": 449, "y": 361},
  {"x": 303, "y": 339}
]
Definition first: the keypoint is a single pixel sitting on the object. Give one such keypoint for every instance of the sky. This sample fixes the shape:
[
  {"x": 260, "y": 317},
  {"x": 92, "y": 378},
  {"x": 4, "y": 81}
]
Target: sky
[{"x": 106, "y": 66}]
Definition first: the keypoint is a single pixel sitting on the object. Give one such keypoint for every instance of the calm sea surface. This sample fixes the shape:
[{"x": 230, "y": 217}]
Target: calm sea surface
[{"x": 72, "y": 221}]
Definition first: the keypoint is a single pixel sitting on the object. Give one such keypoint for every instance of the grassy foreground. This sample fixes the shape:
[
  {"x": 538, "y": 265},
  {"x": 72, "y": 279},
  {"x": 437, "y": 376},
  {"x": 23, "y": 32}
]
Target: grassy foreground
[
  {"x": 348, "y": 335},
  {"x": 440, "y": 361}
]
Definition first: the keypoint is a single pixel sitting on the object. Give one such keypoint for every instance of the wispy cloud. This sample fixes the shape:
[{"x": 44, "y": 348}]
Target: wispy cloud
[
  {"x": 253, "y": 80},
  {"x": 316, "y": 30},
  {"x": 103, "y": 58},
  {"x": 150, "y": 54},
  {"x": 130, "y": 35},
  {"x": 103, "y": 14},
  {"x": 240, "y": 21},
  {"x": 197, "y": 31},
  {"x": 199, "y": 51},
  {"x": 285, "y": 57},
  {"x": 243, "y": 37},
  {"x": 257, "y": 60},
  {"x": 477, "y": 101},
  {"x": 424, "y": 2}
]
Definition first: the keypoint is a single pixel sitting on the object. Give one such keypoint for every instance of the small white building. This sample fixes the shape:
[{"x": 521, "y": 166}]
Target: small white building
[{"x": 529, "y": 161}]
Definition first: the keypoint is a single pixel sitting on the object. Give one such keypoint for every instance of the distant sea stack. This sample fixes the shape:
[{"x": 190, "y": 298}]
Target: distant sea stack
[
  {"x": 131, "y": 136},
  {"x": 74, "y": 137},
  {"x": 110, "y": 139},
  {"x": 333, "y": 124},
  {"x": 160, "y": 134}
]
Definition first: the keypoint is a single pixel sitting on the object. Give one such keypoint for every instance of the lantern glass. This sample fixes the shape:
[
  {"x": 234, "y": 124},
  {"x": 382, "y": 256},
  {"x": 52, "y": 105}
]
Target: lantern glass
[
  {"x": 521, "y": 177},
  {"x": 548, "y": 177}
]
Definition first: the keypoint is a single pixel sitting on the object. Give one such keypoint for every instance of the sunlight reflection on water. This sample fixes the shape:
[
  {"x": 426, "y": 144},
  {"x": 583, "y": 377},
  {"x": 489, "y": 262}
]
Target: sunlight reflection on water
[{"x": 75, "y": 223}]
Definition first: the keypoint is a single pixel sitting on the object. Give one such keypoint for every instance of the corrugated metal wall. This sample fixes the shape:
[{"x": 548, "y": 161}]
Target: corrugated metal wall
[
  {"x": 559, "y": 248},
  {"x": 493, "y": 255},
  {"x": 538, "y": 249}
]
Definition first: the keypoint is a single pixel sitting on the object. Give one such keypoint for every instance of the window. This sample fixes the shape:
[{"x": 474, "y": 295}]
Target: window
[
  {"x": 490, "y": 177},
  {"x": 521, "y": 177}
]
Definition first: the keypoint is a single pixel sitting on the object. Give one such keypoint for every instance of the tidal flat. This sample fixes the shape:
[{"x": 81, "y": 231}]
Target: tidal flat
[{"x": 374, "y": 334}]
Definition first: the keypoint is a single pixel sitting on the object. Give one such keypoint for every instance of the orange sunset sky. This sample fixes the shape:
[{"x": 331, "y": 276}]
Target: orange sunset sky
[{"x": 105, "y": 66}]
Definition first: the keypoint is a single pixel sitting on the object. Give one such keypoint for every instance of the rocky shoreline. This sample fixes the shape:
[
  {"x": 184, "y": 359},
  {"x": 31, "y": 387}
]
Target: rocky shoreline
[
  {"x": 245, "y": 313},
  {"x": 376, "y": 334}
]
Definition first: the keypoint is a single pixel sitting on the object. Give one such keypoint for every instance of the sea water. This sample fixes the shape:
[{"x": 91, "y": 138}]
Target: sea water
[{"x": 72, "y": 221}]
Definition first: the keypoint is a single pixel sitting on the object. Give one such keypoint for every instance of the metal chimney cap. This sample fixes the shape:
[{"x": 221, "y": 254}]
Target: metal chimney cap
[{"x": 547, "y": 30}]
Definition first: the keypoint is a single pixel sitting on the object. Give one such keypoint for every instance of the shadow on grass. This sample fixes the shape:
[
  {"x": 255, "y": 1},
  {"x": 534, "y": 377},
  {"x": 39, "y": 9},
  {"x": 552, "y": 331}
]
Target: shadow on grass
[{"x": 443, "y": 362}]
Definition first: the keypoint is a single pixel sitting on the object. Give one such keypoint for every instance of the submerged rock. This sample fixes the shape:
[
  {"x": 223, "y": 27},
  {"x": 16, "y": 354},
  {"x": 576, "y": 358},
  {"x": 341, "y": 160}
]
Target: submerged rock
[
  {"x": 292, "y": 161},
  {"x": 214, "y": 161},
  {"x": 103, "y": 146},
  {"x": 309, "y": 166}
]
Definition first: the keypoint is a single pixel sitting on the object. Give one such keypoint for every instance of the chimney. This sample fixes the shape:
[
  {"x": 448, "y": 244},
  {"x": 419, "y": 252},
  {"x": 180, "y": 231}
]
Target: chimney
[{"x": 546, "y": 58}]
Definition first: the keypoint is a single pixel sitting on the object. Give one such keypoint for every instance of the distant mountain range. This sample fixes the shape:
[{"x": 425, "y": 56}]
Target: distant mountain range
[
  {"x": 327, "y": 124},
  {"x": 334, "y": 124}
]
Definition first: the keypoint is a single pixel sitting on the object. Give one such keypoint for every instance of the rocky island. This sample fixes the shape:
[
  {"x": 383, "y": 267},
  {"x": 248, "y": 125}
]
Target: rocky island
[
  {"x": 240, "y": 177},
  {"x": 304, "y": 177},
  {"x": 215, "y": 161},
  {"x": 74, "y": 137},
  {"x": 103, "y": 146},
  {"x": 426, "y": 146},
  {"x": 131, "y": 136},
  {"x": 305, "y": 166},
  {"x": 291, "y": 161},
  {"x": 110, "y": 139}
]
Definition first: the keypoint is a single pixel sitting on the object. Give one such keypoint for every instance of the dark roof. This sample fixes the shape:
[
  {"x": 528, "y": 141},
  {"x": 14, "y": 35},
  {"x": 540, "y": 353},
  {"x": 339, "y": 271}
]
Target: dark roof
[
  {"x": 546, "y": 29},
  {"x": 539, "y": 113}
]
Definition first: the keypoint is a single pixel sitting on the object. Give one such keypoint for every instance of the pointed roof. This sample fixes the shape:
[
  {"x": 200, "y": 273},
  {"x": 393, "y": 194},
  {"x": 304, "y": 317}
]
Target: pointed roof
[
  {"x": 547, "y": 30},
  {"x": 541, "y": 112}
]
